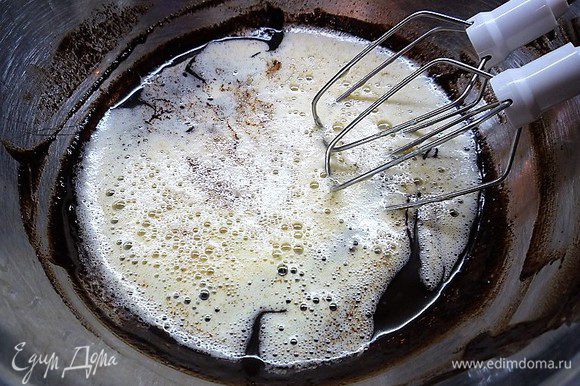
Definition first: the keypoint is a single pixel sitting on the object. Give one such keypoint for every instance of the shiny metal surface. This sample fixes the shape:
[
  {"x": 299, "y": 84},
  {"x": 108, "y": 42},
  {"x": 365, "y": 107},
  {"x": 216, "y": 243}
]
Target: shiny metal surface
[
  {"x": 467, "y": 117},
  {"x": 48, "y": 84},
  {"x": 462, "y": 25}
]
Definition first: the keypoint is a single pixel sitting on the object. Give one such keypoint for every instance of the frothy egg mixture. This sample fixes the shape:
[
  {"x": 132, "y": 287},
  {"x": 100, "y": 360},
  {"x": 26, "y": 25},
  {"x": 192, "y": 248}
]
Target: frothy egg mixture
[{"x": 203, "y": 202}]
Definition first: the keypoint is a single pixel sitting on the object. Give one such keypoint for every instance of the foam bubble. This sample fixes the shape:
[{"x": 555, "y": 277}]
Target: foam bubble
[{"x": 207, "y": 204}]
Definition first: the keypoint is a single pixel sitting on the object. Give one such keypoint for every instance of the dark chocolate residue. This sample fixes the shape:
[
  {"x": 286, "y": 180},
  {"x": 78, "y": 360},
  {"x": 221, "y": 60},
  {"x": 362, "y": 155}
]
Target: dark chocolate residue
[
  {"x": 30, "y": 166},
  {"x": 275, "y": 39},
  {"x": 189, "y": 70},
  {"x": 406, "y": 294},
  {"x": 547, "y": 244},
  {"x": 82, "y": 49},
  {"x": 253, "y": 346},
  {"x": 273, "y": 67}
]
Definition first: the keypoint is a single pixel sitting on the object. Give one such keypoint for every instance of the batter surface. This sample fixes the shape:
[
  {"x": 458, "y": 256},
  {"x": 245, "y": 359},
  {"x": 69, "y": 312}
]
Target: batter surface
[{"x": 203, "y": 202}]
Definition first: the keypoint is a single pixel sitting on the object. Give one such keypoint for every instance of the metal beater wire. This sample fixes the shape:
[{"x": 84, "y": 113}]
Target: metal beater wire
[
  {"x": 494, "y": 109},
  {"x": 415, "y": 123},
  {"x": 461, "y": 192},
  {"x": 373, "y": 45},
  {"x": 394, "y": 57},
  {"x": 394, "y": 90}
]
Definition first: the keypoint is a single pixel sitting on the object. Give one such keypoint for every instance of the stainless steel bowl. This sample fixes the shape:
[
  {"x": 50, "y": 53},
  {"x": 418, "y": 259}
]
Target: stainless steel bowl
[{"x": 59, "y": 58}]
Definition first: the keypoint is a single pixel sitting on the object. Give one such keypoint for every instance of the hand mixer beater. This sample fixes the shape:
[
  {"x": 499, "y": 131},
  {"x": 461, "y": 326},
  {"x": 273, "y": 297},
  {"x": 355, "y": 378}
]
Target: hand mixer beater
[{"x": 522, "y": 94}]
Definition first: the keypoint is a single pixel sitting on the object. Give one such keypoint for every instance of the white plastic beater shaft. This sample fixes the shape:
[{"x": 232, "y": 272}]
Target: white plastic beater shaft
[
  {"x": 497, "y": 33},
  {"x": 539, "y": 85}
]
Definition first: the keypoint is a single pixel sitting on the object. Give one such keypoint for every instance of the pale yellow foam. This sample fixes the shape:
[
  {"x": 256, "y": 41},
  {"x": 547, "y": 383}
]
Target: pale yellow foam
[{"x": 239, "y": 207}]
